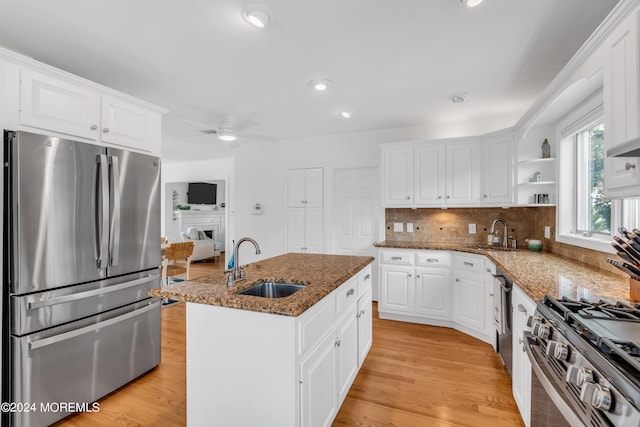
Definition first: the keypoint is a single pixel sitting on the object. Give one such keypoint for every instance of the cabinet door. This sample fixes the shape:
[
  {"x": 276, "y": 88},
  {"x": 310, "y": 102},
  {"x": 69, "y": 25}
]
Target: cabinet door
[
  {"x": 129, "y": 125},
  {"x": 295, "y": 230},
  {"x": 498, "y": 171},
  {"x": 313, "y": 184},
  {"x": 318, "y": 384},
  {"x": 397, "y": 176},
  {"x": 397, "y": 288},
  {"x": 432, "y": 292},
  {"x": 470, "y": 300},
  {"x": 295, "y": 188},
  {"x": 521, "y": 371},
  {"x": 51, "y": 104},
  {"x": 621, "y": 108},
  {"x": 463, "y": 174},
  {"x": 347, "y": 351},
  {"x": 429, "y": 175},
  {"x": 313, "y": 230},
  {"x": 365, "y": 326}
]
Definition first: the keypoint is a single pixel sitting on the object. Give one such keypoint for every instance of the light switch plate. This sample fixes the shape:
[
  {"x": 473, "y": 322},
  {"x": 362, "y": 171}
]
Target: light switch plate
[
  {"x": 547, "y": 232},
  {"x": 472, "y": 229},
  {"x": 409, "y": 227},
  {"x": 398, "y": 227}
]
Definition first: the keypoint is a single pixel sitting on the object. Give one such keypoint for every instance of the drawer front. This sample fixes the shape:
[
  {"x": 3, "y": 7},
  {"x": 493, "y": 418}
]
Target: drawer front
[
  {"x": 523, "y": 306},
  {"x": 364, "y": 280},
  {"x": 316, "y": 323},
  {"x": 469, "y": 263},
  {"x": 396, "y": 257},
  {"x": 347, "y": 295},
  {"x": 433, "y": 258}
]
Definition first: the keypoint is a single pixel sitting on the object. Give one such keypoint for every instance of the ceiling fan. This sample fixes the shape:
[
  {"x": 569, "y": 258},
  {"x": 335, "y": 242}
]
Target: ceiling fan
[{"x": 228, "y": 129}]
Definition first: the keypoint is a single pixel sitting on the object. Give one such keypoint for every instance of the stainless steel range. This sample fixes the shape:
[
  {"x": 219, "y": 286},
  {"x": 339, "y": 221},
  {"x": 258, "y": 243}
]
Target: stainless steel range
[{"x": 586, "y": 356}]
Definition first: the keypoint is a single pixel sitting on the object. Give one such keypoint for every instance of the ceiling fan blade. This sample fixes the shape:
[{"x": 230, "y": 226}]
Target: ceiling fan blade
[
  {"x": 198, "y": 124},
  {"x": 245, "y": 124},
  {"x": 209, "y": 131},
  {"x": 260, "y": 137},
  {"x": 196, "y": 136}
]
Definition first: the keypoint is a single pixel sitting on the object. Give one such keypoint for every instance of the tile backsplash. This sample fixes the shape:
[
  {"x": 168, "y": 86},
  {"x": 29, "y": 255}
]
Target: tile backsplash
[{"x": 452, "y": 226}]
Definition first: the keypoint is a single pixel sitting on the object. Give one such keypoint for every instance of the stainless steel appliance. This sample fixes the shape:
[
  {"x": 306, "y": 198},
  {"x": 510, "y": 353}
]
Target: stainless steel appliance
[
  {"x": 81, "y": 251},
  {"x": 502, "y": 316},
  {"x": 585, "y": 360}
]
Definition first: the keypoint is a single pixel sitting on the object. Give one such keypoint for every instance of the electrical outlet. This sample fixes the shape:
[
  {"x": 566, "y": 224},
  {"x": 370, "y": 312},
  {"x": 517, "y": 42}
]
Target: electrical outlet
[
  {"x": 472, "y": 229},
  {"x": 409, "y": 227},
  {"x": 398, "y": 227},
  {"x": 547, "y": 232}
]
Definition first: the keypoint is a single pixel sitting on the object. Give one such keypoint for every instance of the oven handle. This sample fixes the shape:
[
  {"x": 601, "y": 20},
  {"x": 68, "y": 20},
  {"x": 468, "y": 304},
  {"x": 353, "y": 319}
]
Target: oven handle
[{"x": 554, "y": 395}]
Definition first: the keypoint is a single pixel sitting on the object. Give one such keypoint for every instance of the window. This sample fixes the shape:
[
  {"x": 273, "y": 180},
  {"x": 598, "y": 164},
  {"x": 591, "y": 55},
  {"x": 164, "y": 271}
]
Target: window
[
  {"x": 593, "y": 210},
  {"x": 585, "y": 216}
]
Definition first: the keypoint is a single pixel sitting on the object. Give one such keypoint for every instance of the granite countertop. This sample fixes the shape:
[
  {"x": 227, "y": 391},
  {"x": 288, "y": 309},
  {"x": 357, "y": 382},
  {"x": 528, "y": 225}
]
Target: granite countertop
[
  {"x": 320, "y": 273},
  {"x": 541, "y": 273}
]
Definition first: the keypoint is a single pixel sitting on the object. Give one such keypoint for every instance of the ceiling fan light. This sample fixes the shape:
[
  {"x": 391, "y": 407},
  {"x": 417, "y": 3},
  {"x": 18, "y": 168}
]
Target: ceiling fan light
[
  {"x": 471, "y": 3},
  {"x": 227, "y": 135},
  {"x": 346, "y": 114},
  {"x": 258, "y": 18},
  {"x": 320, "y": 85}
]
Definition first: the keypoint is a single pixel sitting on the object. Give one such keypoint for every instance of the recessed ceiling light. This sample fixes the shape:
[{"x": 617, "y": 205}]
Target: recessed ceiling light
[
  {"x": 227, "y": 135},
  {"x": 459, "y": 98},
  {"x": 471, "y": 3},
  {"x": 346, "y": 114},
  {"x": 258, "y": 16},
  {"x": 320, "y": 85}
]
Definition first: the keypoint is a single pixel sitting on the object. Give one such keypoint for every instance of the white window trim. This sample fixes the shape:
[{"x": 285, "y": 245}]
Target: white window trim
[{"x": 579, "y": 119}]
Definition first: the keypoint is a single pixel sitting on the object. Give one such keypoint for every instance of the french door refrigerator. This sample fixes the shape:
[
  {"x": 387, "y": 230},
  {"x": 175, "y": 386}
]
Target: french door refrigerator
[{"x": 81, "y": 251}]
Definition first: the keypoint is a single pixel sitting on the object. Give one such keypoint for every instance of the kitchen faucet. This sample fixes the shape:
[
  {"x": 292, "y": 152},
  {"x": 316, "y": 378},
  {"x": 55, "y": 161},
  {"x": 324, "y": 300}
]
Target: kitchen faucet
[
  {"x": 237, "y": 274},
  {"x": 505, "y": 243}
]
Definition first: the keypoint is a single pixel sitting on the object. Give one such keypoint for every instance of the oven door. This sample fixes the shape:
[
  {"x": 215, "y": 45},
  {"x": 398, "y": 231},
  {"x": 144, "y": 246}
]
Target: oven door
[{"x": 549, "y": 406}]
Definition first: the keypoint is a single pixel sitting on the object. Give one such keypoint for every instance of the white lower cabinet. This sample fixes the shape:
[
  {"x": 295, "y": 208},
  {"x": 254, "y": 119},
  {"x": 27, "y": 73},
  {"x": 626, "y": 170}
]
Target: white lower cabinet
[
  {"x": 435, "y": 288},
  {"x": 365, "y": 325},
  {"x": 522, "y": 308},
  {"x": 347, "y": 350},
  {"x": 318, "y": 376}
]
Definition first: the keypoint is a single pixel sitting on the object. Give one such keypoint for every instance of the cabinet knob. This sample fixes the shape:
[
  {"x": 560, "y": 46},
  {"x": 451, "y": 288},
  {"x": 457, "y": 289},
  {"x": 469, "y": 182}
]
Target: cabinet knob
[
  {"x": 408, "y": 198},
  {"x": 521, "y": 309},
  {"x": 448, "y": 197},
  {"x": 629, "y": 166},
  {"x": 484, "y": 195},
  {"x": 457, "y": 280},
  {"x": 105, "y": 130},
  {"x": 351, "y": 292},
  {"x": 418, "y": 276},
  {"x": 439, "y": 197},
  {"x": 94, "y": 127},
  {"x": 409, "y": 275}
]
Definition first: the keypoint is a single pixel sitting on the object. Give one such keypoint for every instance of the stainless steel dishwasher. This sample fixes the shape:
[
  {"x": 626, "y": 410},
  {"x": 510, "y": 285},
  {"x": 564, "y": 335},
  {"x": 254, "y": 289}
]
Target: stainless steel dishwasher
[{"x": 502, "y": 317}]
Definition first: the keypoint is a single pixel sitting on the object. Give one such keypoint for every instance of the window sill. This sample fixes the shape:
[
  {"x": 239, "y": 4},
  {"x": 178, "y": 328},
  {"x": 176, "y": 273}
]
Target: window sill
[{"x": 592, "y": 243}]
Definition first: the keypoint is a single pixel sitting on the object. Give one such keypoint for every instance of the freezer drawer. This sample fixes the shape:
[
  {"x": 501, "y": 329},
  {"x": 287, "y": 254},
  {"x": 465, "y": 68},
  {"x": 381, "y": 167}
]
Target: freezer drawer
[
  {"x": 84, "y": 360},
  {"x": 44, "y": 310}
]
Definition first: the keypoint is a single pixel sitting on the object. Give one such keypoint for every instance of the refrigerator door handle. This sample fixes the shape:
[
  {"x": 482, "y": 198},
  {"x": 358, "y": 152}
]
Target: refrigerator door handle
[
  {"x": 102, "y": 210},
  {"x": 114, "y": 238},
  {"x": 100, "y": 291},
  {"x": 77, "y": 332}
]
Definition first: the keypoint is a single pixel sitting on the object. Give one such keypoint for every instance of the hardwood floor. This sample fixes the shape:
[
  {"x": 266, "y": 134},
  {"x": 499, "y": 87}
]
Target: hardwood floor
[{"x": 414, "y": 375}]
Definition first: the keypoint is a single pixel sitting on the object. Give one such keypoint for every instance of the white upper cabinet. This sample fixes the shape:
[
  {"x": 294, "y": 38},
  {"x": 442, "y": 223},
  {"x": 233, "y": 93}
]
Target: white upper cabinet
[
  {"x": 305, "y": 225},
  {"x": 432, "y": 174},
  {"x": 129, "y": 125},
  {"x": 43, "y": 100},
  {"x": 463, "y": 174},
  {"x": 398, "y": 176},
  {"x": 621, "y": 106},
  {"x": 429, "y": 175},
  {"x": 497, "y": 177},
  {"x": 50, "y": 103}
]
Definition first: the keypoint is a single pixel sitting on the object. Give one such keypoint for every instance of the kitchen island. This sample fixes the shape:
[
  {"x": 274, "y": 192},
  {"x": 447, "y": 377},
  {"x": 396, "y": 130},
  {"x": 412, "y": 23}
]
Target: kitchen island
[{"x": 275, "y": 361}]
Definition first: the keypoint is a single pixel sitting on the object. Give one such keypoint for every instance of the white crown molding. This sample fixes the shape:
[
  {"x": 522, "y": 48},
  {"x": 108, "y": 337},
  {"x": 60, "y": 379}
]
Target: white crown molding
[{"x": 557, "y": 85}]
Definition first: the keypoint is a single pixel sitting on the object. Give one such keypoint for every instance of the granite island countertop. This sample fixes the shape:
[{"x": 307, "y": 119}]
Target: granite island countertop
[
  {"x": 320, "y": 273},
  {"x": 540, "y": 273}
]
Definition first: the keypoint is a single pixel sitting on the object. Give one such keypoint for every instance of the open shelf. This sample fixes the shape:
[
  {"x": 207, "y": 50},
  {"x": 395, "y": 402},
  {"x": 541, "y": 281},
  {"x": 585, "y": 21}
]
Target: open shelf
[
  {"x": 531, "y": 161},
  {"x": 537, "y": 183}
]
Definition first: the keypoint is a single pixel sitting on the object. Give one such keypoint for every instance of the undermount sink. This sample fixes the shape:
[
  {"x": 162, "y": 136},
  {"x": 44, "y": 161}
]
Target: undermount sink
[{"x": 272, "y": 290}]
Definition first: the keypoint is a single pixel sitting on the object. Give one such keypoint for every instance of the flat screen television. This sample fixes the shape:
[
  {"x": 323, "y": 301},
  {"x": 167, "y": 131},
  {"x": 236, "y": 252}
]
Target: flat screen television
[{"x": 202, "y": 193}]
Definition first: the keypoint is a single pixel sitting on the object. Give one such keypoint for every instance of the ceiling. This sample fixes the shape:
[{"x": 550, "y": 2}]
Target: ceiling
[{"x": 394, "y": 64}]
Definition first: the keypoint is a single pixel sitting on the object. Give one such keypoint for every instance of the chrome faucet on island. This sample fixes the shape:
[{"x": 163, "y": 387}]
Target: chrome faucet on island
[{"x": 237, "y": 273}]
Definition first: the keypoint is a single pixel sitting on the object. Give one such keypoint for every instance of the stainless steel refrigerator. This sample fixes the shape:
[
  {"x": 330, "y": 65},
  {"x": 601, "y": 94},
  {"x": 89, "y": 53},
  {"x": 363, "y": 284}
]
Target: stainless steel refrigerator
[{"x": 81, "y": 251}]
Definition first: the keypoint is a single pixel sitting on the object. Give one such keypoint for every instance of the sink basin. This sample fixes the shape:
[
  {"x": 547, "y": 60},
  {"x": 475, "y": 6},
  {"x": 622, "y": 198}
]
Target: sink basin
[{"x": 272, "y": 290}]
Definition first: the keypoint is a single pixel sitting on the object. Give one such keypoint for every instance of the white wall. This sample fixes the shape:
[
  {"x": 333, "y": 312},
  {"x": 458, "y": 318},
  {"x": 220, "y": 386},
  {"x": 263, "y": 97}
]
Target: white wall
[
  {"x": 261, "y": 178},
  {"x": 206, "y": 170}
]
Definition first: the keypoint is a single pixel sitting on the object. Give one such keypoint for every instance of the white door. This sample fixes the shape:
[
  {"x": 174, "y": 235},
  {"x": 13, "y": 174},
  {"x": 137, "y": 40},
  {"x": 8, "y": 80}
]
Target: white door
[
  {"x": 347, "y": 355},
  {"x": 432, "y": 292},
  {"x": 295, "y": 188},
  {"x": 365, "y": 327},
  {"x": 463, "y": 174},
  {"x": 498, "y": 167},
  {"x": 470, "y": 300},
  {"x": 313, "y": 185},
  {"x": 396, "y": 289},
  {"x": 429, "y": 173},
  {"x": 318, "y": 390},
  {"x": 295, "y": 230},
  {"x": 128, "y": 125},
  {"x": 357, "y": 215},
  {"x": 313, "y": 230}
]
